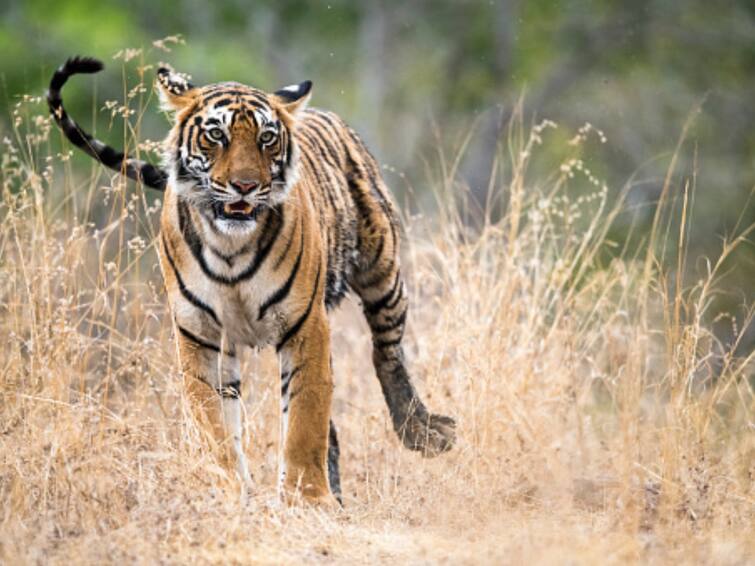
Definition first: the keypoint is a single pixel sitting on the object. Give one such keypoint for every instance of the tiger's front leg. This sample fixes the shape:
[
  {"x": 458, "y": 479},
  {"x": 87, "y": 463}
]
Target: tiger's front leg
[
  {"x": 306, "y": 394},
  {"x": 211, "y": 377}
]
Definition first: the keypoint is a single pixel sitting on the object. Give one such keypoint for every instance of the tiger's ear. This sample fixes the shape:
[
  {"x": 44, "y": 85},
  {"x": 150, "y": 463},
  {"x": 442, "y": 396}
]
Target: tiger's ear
[
  {"x": 294, "y": 98},
  {"x": 176, "y": 92}
]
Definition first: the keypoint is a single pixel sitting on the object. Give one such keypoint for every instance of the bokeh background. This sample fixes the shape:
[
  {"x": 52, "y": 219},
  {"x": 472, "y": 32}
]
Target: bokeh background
[{"x": 415, "y": 77}]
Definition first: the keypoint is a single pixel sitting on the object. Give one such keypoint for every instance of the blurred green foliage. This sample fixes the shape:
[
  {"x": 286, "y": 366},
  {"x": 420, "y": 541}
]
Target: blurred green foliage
[{"x": 396, "y": 70}]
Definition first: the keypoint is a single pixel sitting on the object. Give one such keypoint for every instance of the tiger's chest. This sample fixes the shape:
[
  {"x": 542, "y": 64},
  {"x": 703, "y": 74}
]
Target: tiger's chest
[
  {"x": 239, "y": 312},
  {"x": 235, "y": 292}
]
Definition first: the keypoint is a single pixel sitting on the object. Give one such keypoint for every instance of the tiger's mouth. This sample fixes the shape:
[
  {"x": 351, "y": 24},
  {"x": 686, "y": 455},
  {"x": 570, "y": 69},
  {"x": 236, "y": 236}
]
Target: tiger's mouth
[{"x": 239, "y": 210}]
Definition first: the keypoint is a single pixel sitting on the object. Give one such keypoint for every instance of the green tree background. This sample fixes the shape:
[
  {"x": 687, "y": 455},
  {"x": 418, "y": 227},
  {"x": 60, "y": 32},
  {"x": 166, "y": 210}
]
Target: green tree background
[{"x": 400, "y": 71}]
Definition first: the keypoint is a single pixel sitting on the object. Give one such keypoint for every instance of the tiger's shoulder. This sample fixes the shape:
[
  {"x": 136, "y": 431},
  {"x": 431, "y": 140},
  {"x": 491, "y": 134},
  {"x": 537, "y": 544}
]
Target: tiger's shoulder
[{"x": 327, "y": 138}]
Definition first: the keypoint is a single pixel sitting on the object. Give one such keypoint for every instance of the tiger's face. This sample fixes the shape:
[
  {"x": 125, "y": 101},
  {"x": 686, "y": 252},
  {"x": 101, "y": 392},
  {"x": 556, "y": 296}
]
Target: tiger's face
[{"x": 231, "y": 151}]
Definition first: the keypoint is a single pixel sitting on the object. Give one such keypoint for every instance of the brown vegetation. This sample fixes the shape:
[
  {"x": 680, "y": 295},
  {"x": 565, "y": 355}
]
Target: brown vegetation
[{"x": 599, "y": 420}]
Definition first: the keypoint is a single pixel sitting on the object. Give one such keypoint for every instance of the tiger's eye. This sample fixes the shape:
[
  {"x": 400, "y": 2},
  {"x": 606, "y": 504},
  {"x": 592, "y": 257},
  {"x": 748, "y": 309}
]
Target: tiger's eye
[
  {"x": 267, "y": 137},
  {"x": 216, "y": 134}
]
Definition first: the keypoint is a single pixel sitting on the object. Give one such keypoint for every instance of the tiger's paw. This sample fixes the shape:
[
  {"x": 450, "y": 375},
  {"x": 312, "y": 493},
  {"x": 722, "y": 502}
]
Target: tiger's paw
[
  {"x": 315, "y": 494},
  {"x": 429, "y": 434},
  {"x": 311, "y": 498},
  {"x": 327, "y": 502}
]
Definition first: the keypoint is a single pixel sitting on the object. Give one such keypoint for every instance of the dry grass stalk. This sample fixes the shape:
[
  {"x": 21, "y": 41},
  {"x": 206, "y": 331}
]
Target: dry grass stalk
[{"x": 600, "y": 420}]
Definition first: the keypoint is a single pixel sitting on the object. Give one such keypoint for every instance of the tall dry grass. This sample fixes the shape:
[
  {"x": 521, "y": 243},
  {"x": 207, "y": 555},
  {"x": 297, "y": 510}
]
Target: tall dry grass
[{"x": 600, "y": 421}]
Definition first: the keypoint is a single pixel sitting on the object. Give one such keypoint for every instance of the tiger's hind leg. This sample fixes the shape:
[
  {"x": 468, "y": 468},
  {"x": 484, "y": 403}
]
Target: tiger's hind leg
[{"x": 385, "y": 305}]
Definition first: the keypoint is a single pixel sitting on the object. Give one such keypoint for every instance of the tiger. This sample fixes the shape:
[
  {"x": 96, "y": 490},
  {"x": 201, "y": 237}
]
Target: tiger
[{"x": 273, "y": 212}]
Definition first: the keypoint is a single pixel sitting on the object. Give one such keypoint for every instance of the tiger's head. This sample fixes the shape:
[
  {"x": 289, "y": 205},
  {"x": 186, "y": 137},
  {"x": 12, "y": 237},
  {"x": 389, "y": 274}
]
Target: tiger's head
[{"x": 231, "y": 150}]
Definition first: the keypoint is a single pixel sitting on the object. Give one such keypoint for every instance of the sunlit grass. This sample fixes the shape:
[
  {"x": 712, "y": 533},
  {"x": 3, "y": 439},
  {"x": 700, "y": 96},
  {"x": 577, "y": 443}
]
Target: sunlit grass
[{"x": 599, "y": 418}]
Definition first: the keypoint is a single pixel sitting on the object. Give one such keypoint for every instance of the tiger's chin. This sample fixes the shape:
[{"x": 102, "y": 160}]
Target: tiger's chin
[
  {"x": 235, "y": 227},
  {"x": 235, "y": 218}
]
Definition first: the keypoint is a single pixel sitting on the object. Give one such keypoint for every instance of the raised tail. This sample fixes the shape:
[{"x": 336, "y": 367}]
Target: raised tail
[{"x": 135, "y": 169}]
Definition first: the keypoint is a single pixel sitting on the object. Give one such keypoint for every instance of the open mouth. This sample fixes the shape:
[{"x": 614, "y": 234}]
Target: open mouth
[{"x": 239, "y": 210}]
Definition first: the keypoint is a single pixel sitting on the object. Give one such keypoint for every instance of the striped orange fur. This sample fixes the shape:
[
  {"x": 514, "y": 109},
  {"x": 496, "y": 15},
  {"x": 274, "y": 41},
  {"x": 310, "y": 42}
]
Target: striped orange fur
[{"x": 273, "y": 212}]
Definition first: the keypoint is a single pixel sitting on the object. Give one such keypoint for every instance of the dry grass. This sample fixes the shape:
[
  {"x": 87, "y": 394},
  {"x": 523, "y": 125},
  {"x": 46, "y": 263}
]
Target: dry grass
[{"x": 599, "y": 420}]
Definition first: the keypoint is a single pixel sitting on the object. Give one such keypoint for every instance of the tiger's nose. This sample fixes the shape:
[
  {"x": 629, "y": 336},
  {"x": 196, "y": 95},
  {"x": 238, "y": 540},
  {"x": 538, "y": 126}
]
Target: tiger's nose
[{"x": 244, "y": 186}]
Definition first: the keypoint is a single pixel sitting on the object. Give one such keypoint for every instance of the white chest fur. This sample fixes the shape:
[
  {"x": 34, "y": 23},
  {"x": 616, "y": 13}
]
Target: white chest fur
[
  {"x": 232, "y": 301},
  {"x": 239, "y": 313}
]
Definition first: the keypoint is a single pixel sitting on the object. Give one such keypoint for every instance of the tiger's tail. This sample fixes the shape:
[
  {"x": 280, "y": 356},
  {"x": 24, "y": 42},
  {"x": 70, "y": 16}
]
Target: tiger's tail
[{"x": 136, "y": 169}]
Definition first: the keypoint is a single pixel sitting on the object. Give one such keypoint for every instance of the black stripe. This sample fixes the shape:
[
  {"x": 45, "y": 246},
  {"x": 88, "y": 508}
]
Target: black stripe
[
  {"x": 336, "y": 130},
  {"x": 368, "y": 171},
  {"x": 201, "y": 342},
  {"x": 307, "y": 148},
  {"x": 322, "y": 185},
  {"x": 284, "y": 290},
  {"x": 192, "y": 239},
  {"x": 390, "y": 326},
  {"x": 190, "y": 138},
  {"x": 368, "y": 162},
  {"x": 307, "y": 136},
  {"x": 235, "y": 116},
  {"x": 222, "y": 91},
  {"x": 357, "y": 196},
  {"x": 181, "y": 137},
  {"x": 286, "y": 380},
  {"x": 298, "y": 324},
  {"x": 331, "y": 139},
  {"x": 257, "y": 98},
  {"x": 187, "y": 294},
  {"x": 230, "y": 390},
  {"x": 182, "y": 173},
  {"x": 256, "y": 104},
  {"x": 379, "y": 275},
  {"x": 333, "y": 121},
  {"x": 289, "y": 149},
  {"x": 373, "y": 307},
  {"x": 282, "y": 158},
  {"x": 283, "y": 254},
  {"x": 320, "y": 141},
  {"x": 225, "y": 91},
  {"x": 228, "y": 258},
  {"x": 394, "y": 239},
  {"x": 381, "y": 344},
  {"x": 395, "y": 301},
  {"x": 376, "y": 257}
]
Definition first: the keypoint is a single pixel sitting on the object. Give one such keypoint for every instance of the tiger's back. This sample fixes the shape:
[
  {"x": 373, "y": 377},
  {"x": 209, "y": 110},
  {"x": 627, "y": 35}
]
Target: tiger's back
[{"x": 361, "y": 222}]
